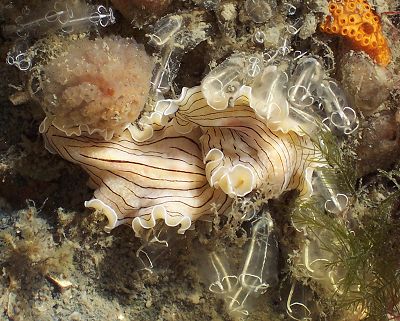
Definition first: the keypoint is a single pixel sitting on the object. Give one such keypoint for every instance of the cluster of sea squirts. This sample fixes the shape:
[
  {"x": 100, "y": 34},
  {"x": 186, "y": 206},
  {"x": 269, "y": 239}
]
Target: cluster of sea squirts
[{"x": 290, "y": 91}]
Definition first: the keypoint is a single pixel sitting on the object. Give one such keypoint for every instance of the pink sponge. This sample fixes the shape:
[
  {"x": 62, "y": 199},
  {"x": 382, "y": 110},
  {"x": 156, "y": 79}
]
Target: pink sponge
[{"x": 97, "y": 86}]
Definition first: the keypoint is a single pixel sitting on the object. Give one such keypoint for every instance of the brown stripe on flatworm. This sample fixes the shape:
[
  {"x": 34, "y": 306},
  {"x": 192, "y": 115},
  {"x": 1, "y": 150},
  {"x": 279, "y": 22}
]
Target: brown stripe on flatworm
[
  {"x": 132, "y": 178},
  {"x": 231, "y": 147},
  {"x": 277, "y": 158}
]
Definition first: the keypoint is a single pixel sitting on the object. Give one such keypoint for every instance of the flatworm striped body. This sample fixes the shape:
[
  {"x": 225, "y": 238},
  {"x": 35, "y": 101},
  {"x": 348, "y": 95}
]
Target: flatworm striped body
[
  {"x": 187, "y": 161},
  {"x": 241, "y": 152},
  {"x": 138, "y": 183}
]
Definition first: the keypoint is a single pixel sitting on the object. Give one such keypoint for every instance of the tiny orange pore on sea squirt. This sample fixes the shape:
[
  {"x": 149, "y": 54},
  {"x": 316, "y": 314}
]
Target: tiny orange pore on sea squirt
[{"x": 356, "y": 21}]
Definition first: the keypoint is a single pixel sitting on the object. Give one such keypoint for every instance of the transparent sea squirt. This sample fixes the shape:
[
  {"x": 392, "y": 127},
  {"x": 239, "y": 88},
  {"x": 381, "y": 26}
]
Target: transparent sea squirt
[
  {"x": 260, "y": 11},
  {"x": 225, "y": 281},
  {"x": 66, "y": 17},
  {"x": 163, "y": 36},
  {"x": 295, "y": 308},
  {"x": 165, "y": 29},
  {"x": 302, "y": 89},
  {"x": 267, "y": 94},
  {"x": 223, "y": 82},
  {"x": 306, "y": 77},
  {"x": 336, "y": 106},
  {"x": 335, "y": 202},
  {"x": 255, "y": 270}
]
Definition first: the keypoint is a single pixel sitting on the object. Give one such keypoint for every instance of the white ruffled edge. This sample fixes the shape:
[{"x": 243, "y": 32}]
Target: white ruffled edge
[
  {"x": 159, "y": 212},
  {"x": 284, "y": 122},
  {"x": 238, "y": 180},
  {"x": 43, "y": 127},
  {"x": 165, "y": 110},
  {"x": 99, "y": 205},
  {"x": 144, "y": 129},
  {"x": 78, "y": 130},
  {"x": 307, "y": 188},
  {"x": 180, "y": 125},
  {"x": 140, "y": 131},
  {"x": 139, "y": 223}
]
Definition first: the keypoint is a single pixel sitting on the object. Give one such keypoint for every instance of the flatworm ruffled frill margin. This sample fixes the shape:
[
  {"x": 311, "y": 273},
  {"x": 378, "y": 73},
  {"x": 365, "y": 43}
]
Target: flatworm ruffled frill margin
[
  {"x": 239, "y": 148},
  {"x": 141, "y": 182},
  {"x": 186, "y": 160}
]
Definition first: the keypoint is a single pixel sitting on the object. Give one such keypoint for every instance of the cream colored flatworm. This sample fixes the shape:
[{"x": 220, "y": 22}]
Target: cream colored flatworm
[
  {"x": 189, "y": 159},
  {"x": 139, "y": 183}
]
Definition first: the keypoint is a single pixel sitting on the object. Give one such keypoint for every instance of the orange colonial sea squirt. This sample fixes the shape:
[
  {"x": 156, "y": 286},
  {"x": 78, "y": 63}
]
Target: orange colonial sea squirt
[
  {"x": 357, "y": 22},
  {"x": 96, "y": 86}
]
